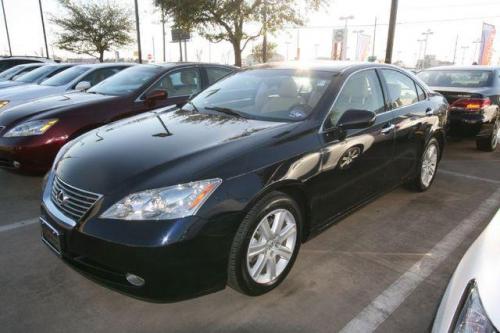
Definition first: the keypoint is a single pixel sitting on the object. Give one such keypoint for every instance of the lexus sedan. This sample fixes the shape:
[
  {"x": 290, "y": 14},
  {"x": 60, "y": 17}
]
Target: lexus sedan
[
  {"x": 35, "y": 76},
  {"x": 471, "y": 301},
  {"x": 77, "y": 78},
  {"x": 31, "y": 134},
  {"x": 176, "y": 203},
  {"x": 474, "y": 96}
]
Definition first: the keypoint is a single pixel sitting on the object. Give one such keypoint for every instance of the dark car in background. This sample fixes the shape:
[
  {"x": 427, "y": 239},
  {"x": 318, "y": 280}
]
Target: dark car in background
[
  {"x": 77, "y": 78},
  {"x": 31, "y": 134},
  {"x": 16, "y": 71},
  {"x": 9, "y": 62},
  {"x": 474, "y": 96},
  {"x": 35, "y": 76},
  {"x": 172, "y": 204}
]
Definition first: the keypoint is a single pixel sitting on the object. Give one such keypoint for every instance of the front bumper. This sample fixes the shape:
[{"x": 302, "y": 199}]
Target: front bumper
[
  {"x": 27, "y": 154},
  {"x": 174, "y": 268}
]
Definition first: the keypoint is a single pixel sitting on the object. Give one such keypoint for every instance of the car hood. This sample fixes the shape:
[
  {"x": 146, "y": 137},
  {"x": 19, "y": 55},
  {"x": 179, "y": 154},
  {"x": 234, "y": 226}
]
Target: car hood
[
  {"x": 47, "y": 105},
  {"x": 160, "y": 149},
  {"x": 7, "y": 84},
  {"x": 480, "y": 263},
  {"x": 28, "y": 92}
]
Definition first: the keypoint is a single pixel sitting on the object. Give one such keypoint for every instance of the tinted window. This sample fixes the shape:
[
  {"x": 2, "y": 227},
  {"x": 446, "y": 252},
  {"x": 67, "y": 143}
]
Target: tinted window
[
  {"x": 35, "y": 74},
  {"x": 402, "y": 91},
  {"x": 216, "y": 73},
  {"x": 66, "y": 77},
  {"x": 127, "y": 81},
  {"x": 269, "y": 94},
  {"x": 183, "y": 82},
  {"x": 8, "y": 74},
  {"x": 362, "y": 91},
  {"x": 457, "y": 78}
]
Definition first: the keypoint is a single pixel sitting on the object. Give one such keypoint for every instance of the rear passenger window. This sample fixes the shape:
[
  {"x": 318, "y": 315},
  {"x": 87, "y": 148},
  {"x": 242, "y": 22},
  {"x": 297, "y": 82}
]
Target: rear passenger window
[
  {"x": 362, "y": 91},
  {"x": 420, "y": 92},
  {"x": 100, "y": 75},
  {"x": 216, "y": 73},
  {"x": 402, "y": 91}
]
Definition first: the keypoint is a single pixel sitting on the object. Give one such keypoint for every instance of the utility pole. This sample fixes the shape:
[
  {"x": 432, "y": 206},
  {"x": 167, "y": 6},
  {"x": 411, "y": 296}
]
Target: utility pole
[
  {"x": 344, "y": 42},
  {"x": 374, "y": 37},
  {"x": 476, "y": 47},
  {"x": 185, "y": 50},
  {"x": 455, "y": 52},
  {"x": 420, "y": 43},
  {"x": 426, "y": 41},
  {"x": 264, "y": 37},
  {"x": 391, "y": 32},
  {"x": 43, "y": 28},
  {"x": 6, "y": 28},
  {"x": 163, "y": 33},
  {"x": 137, "y": 27}
]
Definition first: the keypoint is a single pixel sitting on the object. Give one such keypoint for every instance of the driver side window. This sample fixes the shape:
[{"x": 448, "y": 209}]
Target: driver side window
[
  {"x": 362, "y": 91},
  {"x": 183, "y": 82}
]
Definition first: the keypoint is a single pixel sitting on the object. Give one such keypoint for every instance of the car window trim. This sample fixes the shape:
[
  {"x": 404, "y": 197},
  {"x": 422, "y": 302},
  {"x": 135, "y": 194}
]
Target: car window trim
[
  {"x": 140, "y": 98},
  {"x": 322, "y": 127}
]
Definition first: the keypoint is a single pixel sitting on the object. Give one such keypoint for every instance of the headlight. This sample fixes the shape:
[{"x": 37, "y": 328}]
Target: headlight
[
  {"x": 3, "y": 103},
  {"x": 164, "y": 203},
  {"x": 472, "y": 317},
  {"x": 34, "y": 127}
]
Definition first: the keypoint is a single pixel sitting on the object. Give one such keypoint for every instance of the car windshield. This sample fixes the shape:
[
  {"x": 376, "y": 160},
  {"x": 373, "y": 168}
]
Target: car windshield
[
  {"x": 35, "y": 74},
  {"x": 10, "y": 72},
  {"x": 127, "y": 81},
  {"x": 267, "y": 94},
  {"x": 457, "y": 78},
  {"x": 66, "y": 76}
]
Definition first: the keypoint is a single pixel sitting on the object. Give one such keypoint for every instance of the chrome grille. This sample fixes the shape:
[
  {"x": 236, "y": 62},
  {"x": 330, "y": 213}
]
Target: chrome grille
[{"x": 73, "y": 202}]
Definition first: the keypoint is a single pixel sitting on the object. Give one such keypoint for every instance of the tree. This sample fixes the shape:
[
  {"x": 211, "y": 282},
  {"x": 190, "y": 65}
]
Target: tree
[
  {"x": 227, "y": 20},
  {"x": 93, "y": 28},
  {"x": 258, "y": 54}
]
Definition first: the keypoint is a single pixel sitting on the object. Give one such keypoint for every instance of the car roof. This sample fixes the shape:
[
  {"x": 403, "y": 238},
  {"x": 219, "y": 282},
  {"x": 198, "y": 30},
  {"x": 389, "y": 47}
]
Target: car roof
[
  {"x": 180, "y": 64},
  {"x": 106, "y": 64},
  {"x": 333, "y": 66},
  {"x": 467, "y": 68},
  {"x": 32, "y": 58}
]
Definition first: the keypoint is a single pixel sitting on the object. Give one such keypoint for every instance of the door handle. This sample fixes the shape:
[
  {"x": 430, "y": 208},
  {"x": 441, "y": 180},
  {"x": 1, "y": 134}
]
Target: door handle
[
  {"x": 429, "y": 112},
  {"x": 388, "y": 129}
]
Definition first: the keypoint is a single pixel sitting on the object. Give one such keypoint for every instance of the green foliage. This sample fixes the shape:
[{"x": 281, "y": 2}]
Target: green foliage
[
  {"x": 226, "y": 20},
  {"x": 93, "y": 27},
  {"x": 257, "y": 52}
]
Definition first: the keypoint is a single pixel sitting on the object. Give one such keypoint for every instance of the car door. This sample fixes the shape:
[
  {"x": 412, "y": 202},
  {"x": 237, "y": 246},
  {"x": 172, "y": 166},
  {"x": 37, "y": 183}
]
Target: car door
[
  {"x": 413, "y": 118},
  {"x": 354, "y": 162}
]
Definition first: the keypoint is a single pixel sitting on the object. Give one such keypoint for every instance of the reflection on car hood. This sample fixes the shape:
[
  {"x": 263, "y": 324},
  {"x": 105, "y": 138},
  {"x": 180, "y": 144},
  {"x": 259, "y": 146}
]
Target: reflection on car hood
[
  {"x": 183, "y": 143},
  {"x": 7, "y": 84},
  {"x": 44, "y": 105},
  {"x": 28, "y": 92}
]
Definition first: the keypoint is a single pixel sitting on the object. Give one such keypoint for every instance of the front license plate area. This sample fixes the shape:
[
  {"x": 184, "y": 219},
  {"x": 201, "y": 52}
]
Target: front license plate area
[{"x": 51, "y": 237}]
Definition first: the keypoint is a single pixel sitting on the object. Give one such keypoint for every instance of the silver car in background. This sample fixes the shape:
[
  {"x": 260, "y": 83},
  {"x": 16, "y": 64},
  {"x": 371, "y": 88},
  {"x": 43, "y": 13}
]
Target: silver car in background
[
  {"x": 77, "y": 78},
  {"x": 471, "y": 302}
]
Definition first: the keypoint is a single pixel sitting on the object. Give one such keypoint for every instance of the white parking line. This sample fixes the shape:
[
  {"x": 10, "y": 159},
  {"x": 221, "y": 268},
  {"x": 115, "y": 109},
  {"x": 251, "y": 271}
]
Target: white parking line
[
  {"x": 458, "y": 174},
  {"x": 390, "y": 299},
  {"x": 18, "y": 224}
]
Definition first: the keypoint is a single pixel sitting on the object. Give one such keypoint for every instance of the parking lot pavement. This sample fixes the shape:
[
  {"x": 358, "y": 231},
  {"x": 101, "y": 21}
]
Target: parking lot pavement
[{"x": 404, "y": 245}]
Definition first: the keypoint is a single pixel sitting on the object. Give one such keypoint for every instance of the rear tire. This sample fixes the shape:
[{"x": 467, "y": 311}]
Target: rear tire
[
  {"x": 427, "y": 167},
  {"x": 489, "y": 143},
  {"x": 266, "y": 245}
]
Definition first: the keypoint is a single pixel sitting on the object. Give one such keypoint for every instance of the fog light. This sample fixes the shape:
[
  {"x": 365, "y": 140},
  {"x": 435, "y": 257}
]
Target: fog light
[
  {"x": 135, "y": 280},
  {"x": 16, "y": 164}
]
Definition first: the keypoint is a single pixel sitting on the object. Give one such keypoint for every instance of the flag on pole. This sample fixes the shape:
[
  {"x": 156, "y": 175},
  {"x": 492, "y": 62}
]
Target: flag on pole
[{"x": 487, "y": 39}]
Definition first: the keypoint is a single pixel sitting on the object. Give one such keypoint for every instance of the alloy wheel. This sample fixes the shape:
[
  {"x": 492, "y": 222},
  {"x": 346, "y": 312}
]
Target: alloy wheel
[
  {"x": 429, "y": 164},
  {"x": 271, "y": 246}
]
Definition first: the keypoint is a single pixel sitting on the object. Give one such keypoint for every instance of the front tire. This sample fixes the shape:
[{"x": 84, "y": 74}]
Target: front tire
[
  {"x": 427, "y": 167},
  {"x": 266, "y": 245},
  {"x": 489, "y": 143}
]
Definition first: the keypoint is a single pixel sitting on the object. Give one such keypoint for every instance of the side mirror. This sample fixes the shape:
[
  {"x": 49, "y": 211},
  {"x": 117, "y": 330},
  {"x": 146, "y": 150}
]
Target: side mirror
[
  {"x": 83, "y": 85},
  {"x": 356, "y": 119},
  {"x": 155, "y": 95}
]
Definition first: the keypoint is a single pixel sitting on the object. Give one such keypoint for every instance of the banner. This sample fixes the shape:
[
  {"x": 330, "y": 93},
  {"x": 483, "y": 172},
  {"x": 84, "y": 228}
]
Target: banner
[
  {"x": 362, "y": 47},
  {"x": 487, "y": 39}
]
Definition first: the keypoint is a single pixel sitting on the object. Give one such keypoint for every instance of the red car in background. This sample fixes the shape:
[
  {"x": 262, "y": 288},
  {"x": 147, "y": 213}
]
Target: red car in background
[{"x": 31, "y": 134}]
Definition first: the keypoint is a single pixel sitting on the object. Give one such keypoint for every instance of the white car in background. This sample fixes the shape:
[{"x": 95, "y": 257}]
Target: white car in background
[
  {"x": 471, "y": 302},
  {"x": 77, "y": 78}
]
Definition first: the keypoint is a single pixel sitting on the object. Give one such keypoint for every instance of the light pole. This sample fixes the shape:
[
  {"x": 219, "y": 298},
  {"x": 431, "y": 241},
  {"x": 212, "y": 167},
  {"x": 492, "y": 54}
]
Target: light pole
[
  {"x": 426, "y": 40},
  {"x": 43, "y": 28},
  {"x": 357, "y": 32},
  {"x": 6, "y": 28},
  {"x": 477, "y": 42},
  {"x": 344, "y": 42},
  {"x": 420, "y": 64},
  {"x": 137, "y": 27},
  {"x": 391, "y": 32}
]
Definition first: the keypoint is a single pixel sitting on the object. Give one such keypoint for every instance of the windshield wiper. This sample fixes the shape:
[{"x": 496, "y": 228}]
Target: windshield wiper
[{"x": 224, "y": 110}]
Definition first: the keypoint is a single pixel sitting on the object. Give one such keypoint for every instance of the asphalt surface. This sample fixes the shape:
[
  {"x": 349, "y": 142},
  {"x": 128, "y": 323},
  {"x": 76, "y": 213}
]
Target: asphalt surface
[{"x": 335, "y": 282}]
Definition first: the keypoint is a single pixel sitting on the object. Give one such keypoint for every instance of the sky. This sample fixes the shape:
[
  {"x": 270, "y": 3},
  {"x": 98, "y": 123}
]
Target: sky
[{"x": 447, "y": 19}]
